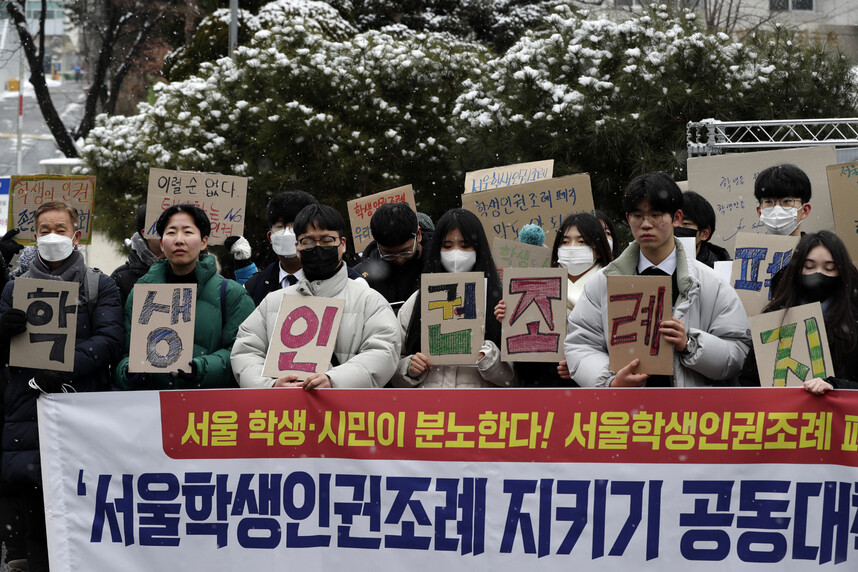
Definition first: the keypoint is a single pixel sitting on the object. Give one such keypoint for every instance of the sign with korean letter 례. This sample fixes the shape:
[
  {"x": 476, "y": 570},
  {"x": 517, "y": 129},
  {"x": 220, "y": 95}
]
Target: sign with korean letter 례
[
  {"x": 534, "y": 326},
  {"x": 51, "y": 308},
  {"x": 758, "y": 258},
  {"x": 508, "y": 176},
  {"x": 843, "y": 184},
  {"x": 516, "y": 254},
  {"x": 304, "y": 336},
  {"x": 636, "y": 307},
  {"x": 362, "y": 209},
  {"x": 28, "y": 192},
  {"x": 162, "y": 328},
  {"x": 452, "y": 317}
]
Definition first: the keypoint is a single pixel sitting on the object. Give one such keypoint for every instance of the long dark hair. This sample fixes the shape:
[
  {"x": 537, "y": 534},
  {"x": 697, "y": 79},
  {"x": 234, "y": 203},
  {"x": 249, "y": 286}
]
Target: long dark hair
[
  {"x": 591, "y": 231},
  {"x": 615, "y": 251},
  {"x": 472, "y": 231}
]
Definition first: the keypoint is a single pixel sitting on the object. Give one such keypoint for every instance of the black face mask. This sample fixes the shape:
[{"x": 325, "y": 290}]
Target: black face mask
[
  {"x": 684, "y": 232},
  {"x": 817, "y": 287},
  {"x": 320, "y": 262}
]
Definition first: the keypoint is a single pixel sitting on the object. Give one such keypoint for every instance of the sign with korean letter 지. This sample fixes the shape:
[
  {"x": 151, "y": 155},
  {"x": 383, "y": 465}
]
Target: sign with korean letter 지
[
  {"x": 51, "y": 308},
  {"x": 636, "y": 307},
  {"x": 304, "y": 336},
  {"x": 362, "y": 209},
  {"x": 162, "y": 327},
  {"x": 516, "y": 254},
  {"x": 791, "y": 346},
  {"x": 508, "y": 176},
  {"x": 843, "y": 184},
  {"x": 223, "y": 197},
  {"x": 534, "y": 326},
  {"x": 28, "y": 192},
  {"x": 452, "y": 317},
  {"x": 758, "y": 258}
]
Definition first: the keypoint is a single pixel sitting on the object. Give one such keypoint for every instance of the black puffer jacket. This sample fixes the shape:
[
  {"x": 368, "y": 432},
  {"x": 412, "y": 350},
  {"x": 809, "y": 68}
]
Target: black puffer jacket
[{"x": 396, "y": 282}]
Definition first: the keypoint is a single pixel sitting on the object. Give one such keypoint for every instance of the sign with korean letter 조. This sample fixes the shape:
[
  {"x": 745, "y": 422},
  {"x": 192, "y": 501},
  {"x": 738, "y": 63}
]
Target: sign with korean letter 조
[
  {"x": 516, "y": 254},
  {"x": 51, "y": 308},
  {"x": 304, "y": 336},
  {"x": 636, "y": 307},
  {"x": 29, "y": 192},
  {"x": 452, "y": 316},
  {"x": 534, "y": 326},
  {"x": 758, "y": 258},
  {"x": 362, "y": 209},
  {"x": 162, "y": 328},
  {"x": 843, "y": 184},
  {"x": 508, "y": 176}
]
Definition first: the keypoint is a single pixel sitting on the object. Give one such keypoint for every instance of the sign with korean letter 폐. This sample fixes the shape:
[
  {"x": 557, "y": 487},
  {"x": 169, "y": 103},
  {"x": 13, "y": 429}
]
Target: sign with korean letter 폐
[
  {"x": 162, "y": 327},
  {"x": 28, "y": 192},
  {"x": 304, "y": 336},
  {"x": 508, "y": 176},
  {"x": 362, "y": 209},
  {"x": 516, "y": 254},
  {"x": 544, "y": 203},
  {"x": 51, "y": 308},
  {"x": 758, "y": 258},
  {"x": 843, "y": 184},
  {"x": 223, "y": 197},
  {"x": 791, "y": 341},
  {"x": 534, "y": 326},
  {"x": 636, "y": 307},
  {"x": 452, "y": 317}
]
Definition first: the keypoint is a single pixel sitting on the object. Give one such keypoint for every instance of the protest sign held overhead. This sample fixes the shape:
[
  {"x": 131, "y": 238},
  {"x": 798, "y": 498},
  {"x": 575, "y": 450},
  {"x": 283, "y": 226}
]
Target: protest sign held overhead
[
  {"x": 362, "y": 209},
  {"x": 508, "y": 176},
  {"x": 29, "y": 192},
  {"x": 636, "y": 307},
  {"x": 516, "y": 254},
  {"x": 452, "y": 316},
  {"x": 534, "y": 326},
  {"x": 843, "y": 183},
  {"x": 162, "y": 328},
  {"x": 51, "y": 308},
  {"x": 758, "y": 258}
]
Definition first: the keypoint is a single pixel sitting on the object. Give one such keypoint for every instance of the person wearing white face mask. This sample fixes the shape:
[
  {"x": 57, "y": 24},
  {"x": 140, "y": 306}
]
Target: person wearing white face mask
[{"x": 783, "y": 193}]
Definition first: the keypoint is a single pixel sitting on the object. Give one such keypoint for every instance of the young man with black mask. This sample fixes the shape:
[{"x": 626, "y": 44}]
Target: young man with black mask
[{"x": 698, "y": 221}]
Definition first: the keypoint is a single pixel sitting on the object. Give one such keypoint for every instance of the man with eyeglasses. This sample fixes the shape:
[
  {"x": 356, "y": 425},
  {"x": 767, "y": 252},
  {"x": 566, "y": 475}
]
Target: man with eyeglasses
[
  {"x": 783, "y": 193},
  {"x": 708, "y": 329}
]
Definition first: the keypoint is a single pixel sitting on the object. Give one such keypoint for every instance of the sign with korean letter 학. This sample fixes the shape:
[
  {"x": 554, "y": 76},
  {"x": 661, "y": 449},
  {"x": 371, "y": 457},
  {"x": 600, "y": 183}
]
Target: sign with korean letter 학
[
  {"x": 636, "y": 307},
  {"x": 28, "y": 192},
  {"x": 534, "y": 326},
  {"x": 362, "y": 209},
  {"x": 452, "y": 317},
  {"x": 758, "y": 258},
  {"x": 304, "y": 336},
  {"x": 516, "y": 254},
  {"x": 51, "y": 308},
  {"x": 508, "y": 176},
  {"x": 162, "y": 328},
  {"x": 843, "y": 184}
]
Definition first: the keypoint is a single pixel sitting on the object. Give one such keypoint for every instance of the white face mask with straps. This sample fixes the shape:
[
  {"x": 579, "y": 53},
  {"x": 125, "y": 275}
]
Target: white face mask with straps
[
  {"x": 575, "y": 259},
  {"x": 780, "y": 220},
  {"x": 458, "y": 260},
  {"x": 284, "y": 244},
  {"x": 54, "y": 247}
]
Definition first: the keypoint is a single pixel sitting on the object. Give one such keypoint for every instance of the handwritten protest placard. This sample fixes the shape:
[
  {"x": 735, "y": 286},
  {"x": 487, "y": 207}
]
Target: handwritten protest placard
[
  {"x": 758, "y": 258},
  {"x": 223, "y": 197},
  {"x": 534, "y": 326},
  {"x": 304, "y": 336},
  {"x": 791, "y": 346},
  {"x": 362, "y": 209},
  {"x": 162, "y": 327},
  {"x": 636, "y": 307},
  {"x": 508, "y": 176},
  {"x": 727, "y": 181},
  {"x": 51, "y": 308},
  {"x": 843, "y": 183},
  {"x": 452, "y": 316},
  {"x": 544, "y": 203},
  {"x": 515, "y": 254},
  {"x": 28, "y": 192}
]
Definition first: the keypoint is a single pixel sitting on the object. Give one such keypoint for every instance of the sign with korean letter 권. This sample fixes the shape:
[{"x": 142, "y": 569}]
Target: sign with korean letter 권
[
  {"x": 534, "y": 326},
  {"x": 28, "y": 192},
  {"x": 452, "y": 317},
  {"x": 362, "y": 209},
  {"x": 843, "y": 184},
  {"x": 516, "y": 254},
  {"x": 304, "y": 336},
  {"x": 162, "y": 328},
  {"x": 636, "y": 307},
  {"x": 508, "y": 176},
  {"x": 51, "y": 308},
  {"x": 791, "y": 346},
  {"x": 758, "y": 258}
]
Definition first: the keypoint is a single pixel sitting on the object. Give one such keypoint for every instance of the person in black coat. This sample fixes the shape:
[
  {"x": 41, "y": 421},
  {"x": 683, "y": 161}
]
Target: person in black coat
[
  {"x": 144, "y": 253},
  {"x": 698, "y": 220}
]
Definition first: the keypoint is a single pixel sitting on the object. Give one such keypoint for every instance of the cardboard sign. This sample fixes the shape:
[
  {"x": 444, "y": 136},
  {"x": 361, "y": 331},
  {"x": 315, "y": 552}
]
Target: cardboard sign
[
  {"x": 223, "y": 197},
  {"x": 508, "y": 176},
  {"x": 452, "y": 316},
  {"x": 304, "y": 336},
  {"x": 843, "y": 183},
  {"x": 515, "y": 254},
  {"x": 362, "y": 209},
  {"x": 29, "y": 192},
  {"x": 162, "y": 328},
  {"x": 51, "y": 308},
  {"x": 727, "y": 181},
  {"x": 758, "y": 258},
  {"x": 534, "y": 327},
  {"x": 544, "y": 203},
  {"x": 636, "y": 307},
  {"x": 791, "y": 346}
]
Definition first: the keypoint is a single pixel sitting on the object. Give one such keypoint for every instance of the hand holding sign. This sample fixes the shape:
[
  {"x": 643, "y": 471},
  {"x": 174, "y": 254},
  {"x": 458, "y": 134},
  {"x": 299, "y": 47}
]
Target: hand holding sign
[
  {"x": 637, "y": 306},
  {"x": 452, "y": 317},
  {"x": 50, "y": 307},
  {"x": 162, "y": 329}
]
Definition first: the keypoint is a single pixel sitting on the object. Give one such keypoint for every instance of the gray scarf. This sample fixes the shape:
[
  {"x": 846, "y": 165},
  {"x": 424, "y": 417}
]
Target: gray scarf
[
  {"x": 141, "y": 248},
  {"x": 72, "y": 269}
]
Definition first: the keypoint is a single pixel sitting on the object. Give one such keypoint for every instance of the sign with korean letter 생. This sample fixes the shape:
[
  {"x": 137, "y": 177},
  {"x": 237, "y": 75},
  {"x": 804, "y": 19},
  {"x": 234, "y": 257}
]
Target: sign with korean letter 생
[
  {"x": 223, "y": 197},
  {"x": 534, "y": 326},
  {"x": 636, "y": 307},
  {"x": 51, "y": 308},
  {"x": 516, "y": 254},
  {"x": 362, "y": 209},
  {"x": 758, "y": 258},
  {"x": 28, "y": 192},
  {"x": 162, "y": 328},
  {"x": 843, "y": 184},
  {"x": 544, "y": 203},
  {"x": 304, "y": 336},
  {"x": 508, "y": 176},
  {"x": 452, "y": 317},
  {"x": 791, "y": 346}
]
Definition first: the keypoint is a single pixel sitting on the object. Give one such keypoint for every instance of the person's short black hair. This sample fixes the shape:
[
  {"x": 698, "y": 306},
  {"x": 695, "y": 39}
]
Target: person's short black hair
[
  {"x": 659, "y": 189},
  {"x": 322, "y": 217},
  {"x": 393, "y": 224},
  {"x": 140, "y": 220},
  {"x": 201, "y": 219},
  {"x": 782, "y": 181},
  {"x": 698, "y": 210},
  {"x": 284, "y": 207}
]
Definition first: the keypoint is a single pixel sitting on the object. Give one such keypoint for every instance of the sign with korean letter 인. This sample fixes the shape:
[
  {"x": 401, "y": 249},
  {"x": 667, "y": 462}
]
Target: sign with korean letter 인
[
  {"x": 223, "y": 197},
  {"x": 758, "y": 258},
  {"x": 162, "y": 328},
  {"x": 636, "y": 307},
  {"x": 508, "y": 176},
  {"x": 452, "y": 317},
  {"x": 29, "y": 192},
  {"x": 362, "y": 209},
  {"x": 516, "y": 254},
  {"x": 534, "y": 326},
  {"x": 791, "y": 341},
  {"x": 51, "y": 308},
  {"x": 843, "y": 184},
  {"x": 304, "y": 336}
]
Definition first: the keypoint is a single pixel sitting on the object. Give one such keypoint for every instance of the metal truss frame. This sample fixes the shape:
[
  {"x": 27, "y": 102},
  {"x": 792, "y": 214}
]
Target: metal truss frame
[{"x": 713, "y": 137}]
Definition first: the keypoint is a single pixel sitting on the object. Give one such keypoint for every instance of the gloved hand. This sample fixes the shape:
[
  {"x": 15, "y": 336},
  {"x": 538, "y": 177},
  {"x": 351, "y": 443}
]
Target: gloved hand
[
  {"x": 240, "y": 250},
  {"x": 189, "y": 375},
  {"x": 136, "y": 380},
  {"x": 8, "y": 247},
  {"x": 12, "y": 322},
  {"x": 49, "y": 381}
]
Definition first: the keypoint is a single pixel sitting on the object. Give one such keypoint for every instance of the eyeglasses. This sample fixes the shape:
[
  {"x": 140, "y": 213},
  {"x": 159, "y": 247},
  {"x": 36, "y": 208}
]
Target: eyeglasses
[
  {"x": 786, "y": 203},
  {"x": 654, "y": 217},
  {"x": 404, "y": 255},
  {"x": 326, "y": 241}
]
